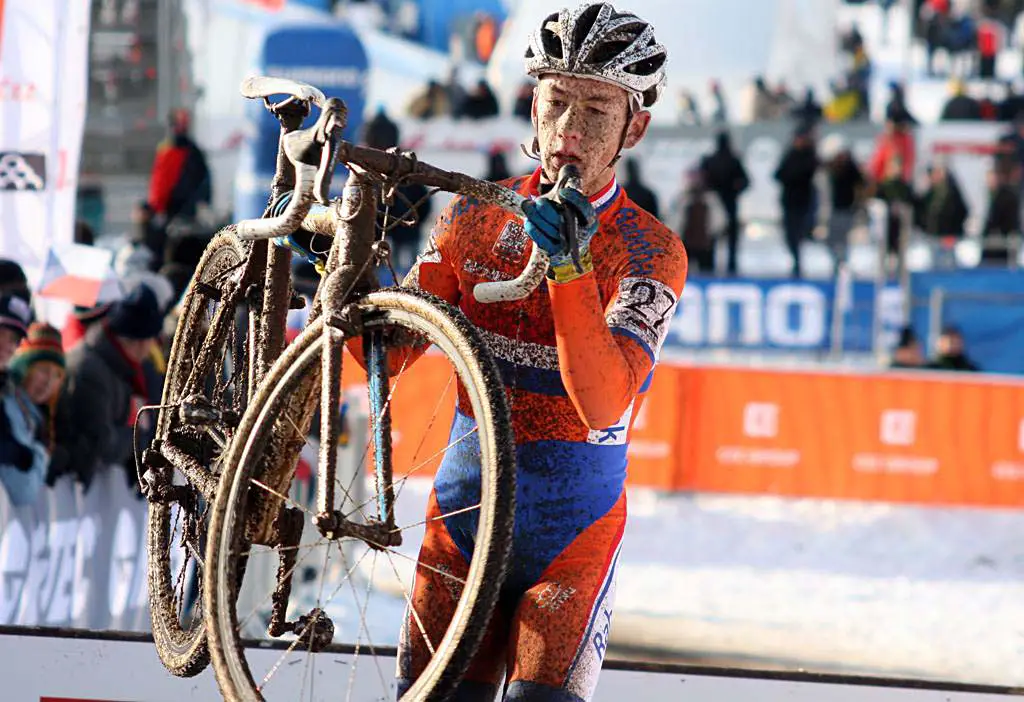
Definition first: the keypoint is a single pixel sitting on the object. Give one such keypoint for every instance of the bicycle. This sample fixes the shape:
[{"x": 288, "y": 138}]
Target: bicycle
[{"x": 238, "y": 406}]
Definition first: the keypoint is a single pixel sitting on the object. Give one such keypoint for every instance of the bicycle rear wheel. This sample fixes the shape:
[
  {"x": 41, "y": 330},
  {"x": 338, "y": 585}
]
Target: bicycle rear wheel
[
  {"x": 463, "y": 365},
  {"x": 176, "y": 529}
]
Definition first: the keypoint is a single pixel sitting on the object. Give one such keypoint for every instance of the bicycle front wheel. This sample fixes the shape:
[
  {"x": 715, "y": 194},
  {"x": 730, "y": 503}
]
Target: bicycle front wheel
[{"x": 459, "y": 364}]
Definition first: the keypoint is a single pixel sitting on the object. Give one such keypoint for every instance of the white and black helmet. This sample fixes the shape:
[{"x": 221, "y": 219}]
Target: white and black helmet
[{"x": 596, "y": 41}]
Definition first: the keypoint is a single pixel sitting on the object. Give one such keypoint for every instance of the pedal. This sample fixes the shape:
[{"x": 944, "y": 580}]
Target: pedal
[{"x": 297, "y": 302}]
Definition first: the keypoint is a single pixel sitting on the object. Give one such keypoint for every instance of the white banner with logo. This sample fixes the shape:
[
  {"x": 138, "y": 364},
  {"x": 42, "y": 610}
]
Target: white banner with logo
[
  {"x": 43, "y": 82},
  {"x": 75, "y": 558}
]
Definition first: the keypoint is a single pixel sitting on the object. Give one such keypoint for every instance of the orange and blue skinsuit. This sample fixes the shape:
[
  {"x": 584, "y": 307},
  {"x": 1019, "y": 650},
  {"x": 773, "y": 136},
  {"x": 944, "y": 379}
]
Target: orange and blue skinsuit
[{"x": 576, "y": 359}]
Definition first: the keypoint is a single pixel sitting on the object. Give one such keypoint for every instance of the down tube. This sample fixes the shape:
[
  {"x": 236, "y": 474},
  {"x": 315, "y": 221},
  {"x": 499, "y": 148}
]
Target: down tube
[{"x": 380, "y": 416}]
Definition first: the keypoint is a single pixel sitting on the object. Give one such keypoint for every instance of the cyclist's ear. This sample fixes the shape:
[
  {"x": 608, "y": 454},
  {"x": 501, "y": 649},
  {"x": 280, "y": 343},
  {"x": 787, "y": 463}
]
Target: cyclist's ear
[
  {"x": 637, "y": 129},
  {"x": 533, "y": 107}
]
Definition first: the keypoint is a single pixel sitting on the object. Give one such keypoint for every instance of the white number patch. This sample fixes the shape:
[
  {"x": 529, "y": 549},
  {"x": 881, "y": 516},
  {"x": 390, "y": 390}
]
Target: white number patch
[{"x": 644, "y": 308}]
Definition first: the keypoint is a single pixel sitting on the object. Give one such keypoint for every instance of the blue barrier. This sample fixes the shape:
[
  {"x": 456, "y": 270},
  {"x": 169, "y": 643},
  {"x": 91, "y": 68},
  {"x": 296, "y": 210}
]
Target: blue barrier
[
  {"x": 781, "y": 315},
  {"x": 986, "y": 305}
]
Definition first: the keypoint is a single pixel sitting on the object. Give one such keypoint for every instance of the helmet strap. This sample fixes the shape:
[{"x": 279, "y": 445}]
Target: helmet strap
[{"x": 625, "y": 134}]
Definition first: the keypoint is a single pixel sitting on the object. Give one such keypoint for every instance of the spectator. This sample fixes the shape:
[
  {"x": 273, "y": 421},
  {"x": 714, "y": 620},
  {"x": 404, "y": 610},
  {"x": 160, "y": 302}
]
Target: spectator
[
  {"x": 694, "y": 223},
  {"x": 722, "y": 173},
  {"x": 897, "y": 109},
  {"x": 851, "y": 40},
  {"x": 180, "y": 180},
  {"x": 935, "y": 15},
  {"x": 808, "y": 111},
  {"x": 960, "y": 105},
  {"x": 456, "y": 93},
  {"x": 942, "y": 211},
  {"x": 13, "y": 280},
  {"x": 859, "y": 79},
  {"x": 891, "y": 171},
  {"x": 988, "y": 44},
  {"x": 432, "y": 102},
  {"x": 908, "y": 352},
  {"x": 1012, "y": 104},
  {"x": 783, "y": 101},
  {"x": 689, "y": 112},
  {"x": 637, "y": 191},
  {"x": 762, "y": 102},
  {"x": 38, "y": 369},
  {"x": 796, "y": 176},
  {"x": 949, "y": 352},
  {"x": 497, "y": 166},
  {"x": 107, "y": 383},
  {"x": 846, "y": 184},
  {"x": 720, "y": 114},
  {"x": 1002, "y": 221},
  {"x": 23, "y": 459},
  {"x": 523, "y": 108},
  {"x": 480, "y": 102},
  {"x": 380, "y": 129}
]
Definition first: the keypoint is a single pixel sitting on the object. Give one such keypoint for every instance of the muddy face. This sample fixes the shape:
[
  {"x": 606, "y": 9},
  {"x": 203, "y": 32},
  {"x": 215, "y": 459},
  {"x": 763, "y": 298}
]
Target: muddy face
[{"x": 582, "y": 121}]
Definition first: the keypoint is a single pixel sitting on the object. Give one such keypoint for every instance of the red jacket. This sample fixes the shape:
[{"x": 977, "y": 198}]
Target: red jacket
[
  {"x": 988, "y": 38},
  {"x": 889, "y": 146}
]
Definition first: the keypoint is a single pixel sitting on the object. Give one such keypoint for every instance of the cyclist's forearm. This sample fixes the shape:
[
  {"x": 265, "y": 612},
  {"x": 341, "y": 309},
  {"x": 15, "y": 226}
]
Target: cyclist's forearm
[{"x": 601, "y": 372}]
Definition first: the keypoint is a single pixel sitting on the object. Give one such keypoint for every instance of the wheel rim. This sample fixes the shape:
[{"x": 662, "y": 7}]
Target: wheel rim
[
  {"x": 227, "y": 620},
  {"x": 176, "y": 532}
]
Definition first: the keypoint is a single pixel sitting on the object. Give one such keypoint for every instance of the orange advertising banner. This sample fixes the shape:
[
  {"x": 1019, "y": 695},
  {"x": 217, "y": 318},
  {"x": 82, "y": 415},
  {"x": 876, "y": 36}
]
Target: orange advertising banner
[
  {"x": 927, "y": 438},
  {"x": 930, "y": 438}
]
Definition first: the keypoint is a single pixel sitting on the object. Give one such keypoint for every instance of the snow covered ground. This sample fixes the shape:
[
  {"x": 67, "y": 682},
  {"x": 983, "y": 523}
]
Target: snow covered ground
[{"x": 768, "y": 582}]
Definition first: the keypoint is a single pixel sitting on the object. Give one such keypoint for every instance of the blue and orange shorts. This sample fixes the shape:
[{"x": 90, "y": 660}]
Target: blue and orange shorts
[{"x": 547, "y": 638}]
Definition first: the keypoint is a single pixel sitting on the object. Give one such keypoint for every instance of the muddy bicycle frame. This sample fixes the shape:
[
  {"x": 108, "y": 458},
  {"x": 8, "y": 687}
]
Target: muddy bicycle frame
[{"x": 305, "y": 164}]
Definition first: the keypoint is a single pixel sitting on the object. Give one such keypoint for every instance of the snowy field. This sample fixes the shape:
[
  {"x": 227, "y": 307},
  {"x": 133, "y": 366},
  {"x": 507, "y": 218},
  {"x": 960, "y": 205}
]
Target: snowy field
[{"x": 780, "y": 583}]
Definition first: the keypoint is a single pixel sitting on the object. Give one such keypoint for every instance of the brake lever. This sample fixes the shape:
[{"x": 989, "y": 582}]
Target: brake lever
[
  {"x": 569, "y": 177},
  {"x": 334, "y": 119}
]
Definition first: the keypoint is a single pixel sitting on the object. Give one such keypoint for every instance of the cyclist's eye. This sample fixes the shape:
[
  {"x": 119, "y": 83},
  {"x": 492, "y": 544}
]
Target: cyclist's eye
[{"x": 596, "y": 110}]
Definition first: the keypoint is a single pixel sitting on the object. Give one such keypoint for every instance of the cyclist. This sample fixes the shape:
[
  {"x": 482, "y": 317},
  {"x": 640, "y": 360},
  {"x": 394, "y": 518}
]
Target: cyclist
[{"x": 576, "y": 357}]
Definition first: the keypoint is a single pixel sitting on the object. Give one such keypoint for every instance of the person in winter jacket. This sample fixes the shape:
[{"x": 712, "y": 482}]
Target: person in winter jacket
[
  {"x": 724, "y": 175},
  {"x": 795, "y": 175},
  {"x": 942, "y": 211},
  {"x": 636, "y": 188},
  {"x": 38, "y": 371},
  {"x": 107, "y": 382},
  {"x": 180, "y": 179},
  {"x": 23, "y": 459}
]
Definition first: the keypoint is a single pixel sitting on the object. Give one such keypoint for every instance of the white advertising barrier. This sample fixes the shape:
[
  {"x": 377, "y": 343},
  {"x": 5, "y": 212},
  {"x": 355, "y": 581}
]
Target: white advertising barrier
[
  {"x": 43, "y": 81},
  {"x": 42, "y": 666},
  {"x": 75, "y": 558}
]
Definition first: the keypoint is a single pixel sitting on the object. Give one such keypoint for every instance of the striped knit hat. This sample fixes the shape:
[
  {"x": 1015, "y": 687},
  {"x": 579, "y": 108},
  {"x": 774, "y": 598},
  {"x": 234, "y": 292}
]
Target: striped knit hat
[{"x": 43, "y": 343}]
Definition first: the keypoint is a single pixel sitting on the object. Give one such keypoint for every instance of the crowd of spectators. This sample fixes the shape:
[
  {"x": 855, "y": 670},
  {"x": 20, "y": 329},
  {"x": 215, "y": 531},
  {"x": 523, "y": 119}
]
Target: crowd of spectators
[{"x": 70, "y": 398}]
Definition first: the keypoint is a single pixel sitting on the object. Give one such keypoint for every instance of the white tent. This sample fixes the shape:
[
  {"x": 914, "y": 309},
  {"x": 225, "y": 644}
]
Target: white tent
[{"x": 728, "y": 40}]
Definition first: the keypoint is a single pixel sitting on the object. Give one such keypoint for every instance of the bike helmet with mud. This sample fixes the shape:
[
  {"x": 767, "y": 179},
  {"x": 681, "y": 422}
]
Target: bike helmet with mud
[{"x": 596, "y": 41}]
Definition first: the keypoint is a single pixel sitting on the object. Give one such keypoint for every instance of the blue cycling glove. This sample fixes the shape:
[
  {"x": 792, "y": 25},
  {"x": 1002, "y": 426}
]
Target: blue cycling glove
[
  {"x": 545, "y": 224},
  {"x": 290, "y": 242}
]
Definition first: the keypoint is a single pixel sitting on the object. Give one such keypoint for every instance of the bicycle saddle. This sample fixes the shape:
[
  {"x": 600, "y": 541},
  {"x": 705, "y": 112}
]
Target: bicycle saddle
[{"x": 265, "y": 86}]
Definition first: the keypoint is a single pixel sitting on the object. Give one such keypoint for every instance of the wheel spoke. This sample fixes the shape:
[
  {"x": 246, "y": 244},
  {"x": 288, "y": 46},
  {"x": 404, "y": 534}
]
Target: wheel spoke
[{"x": 438, "y": 518}]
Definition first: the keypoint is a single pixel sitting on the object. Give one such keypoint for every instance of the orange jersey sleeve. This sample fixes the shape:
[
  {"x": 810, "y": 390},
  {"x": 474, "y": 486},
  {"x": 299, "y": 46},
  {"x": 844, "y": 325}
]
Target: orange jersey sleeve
[{"x": 607, "y": 352}]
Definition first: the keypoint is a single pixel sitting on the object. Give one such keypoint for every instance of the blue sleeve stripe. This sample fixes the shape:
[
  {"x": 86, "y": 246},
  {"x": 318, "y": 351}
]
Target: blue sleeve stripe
[{"x": 627, "y": 333}]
